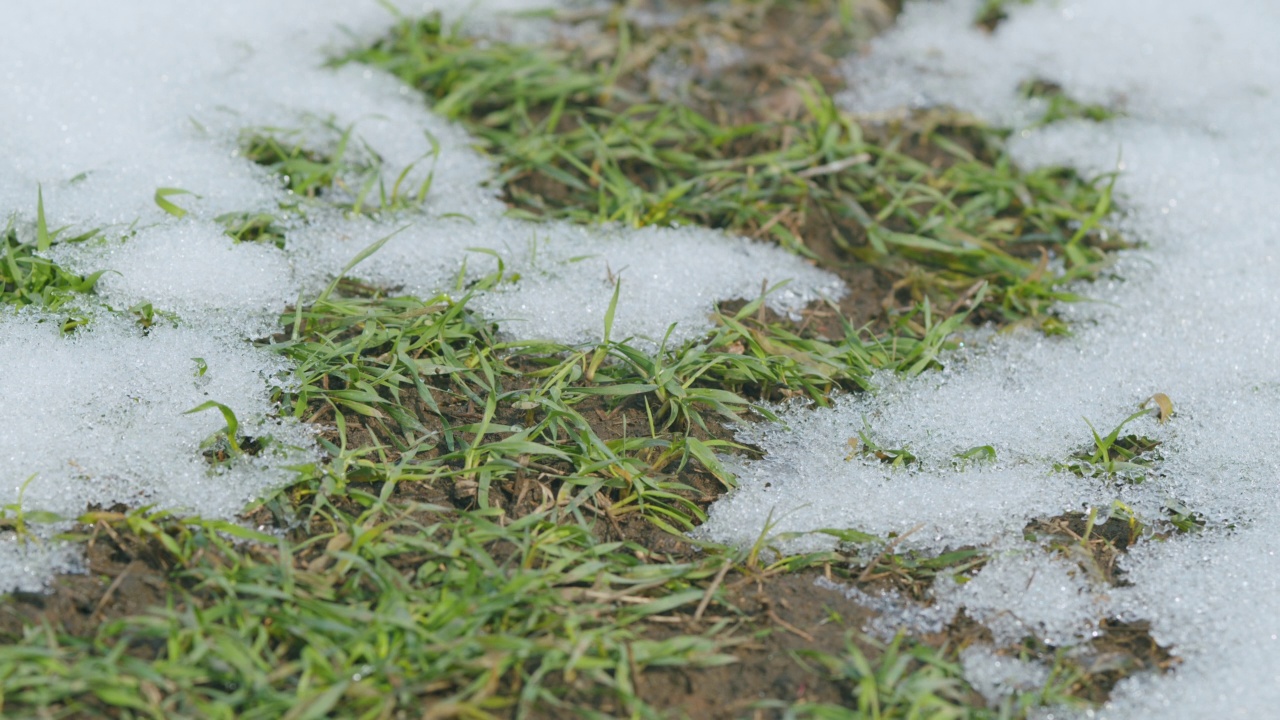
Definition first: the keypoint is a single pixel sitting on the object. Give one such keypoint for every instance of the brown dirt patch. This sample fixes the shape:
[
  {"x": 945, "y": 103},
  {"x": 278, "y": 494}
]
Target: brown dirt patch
[
  {"x": 781, "y": 615},
  {"x": 775, "y": 620},
  {"x": 738, "y": 63},
  {"x": 122, "y": 579},
  {"x": 1096, "y": 548}
]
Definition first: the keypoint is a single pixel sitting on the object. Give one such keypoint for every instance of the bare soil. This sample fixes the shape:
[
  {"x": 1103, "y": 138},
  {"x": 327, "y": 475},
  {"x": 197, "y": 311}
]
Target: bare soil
[
  {"x": 117, "y": 584},
  {"x": 780, "y": 618}
]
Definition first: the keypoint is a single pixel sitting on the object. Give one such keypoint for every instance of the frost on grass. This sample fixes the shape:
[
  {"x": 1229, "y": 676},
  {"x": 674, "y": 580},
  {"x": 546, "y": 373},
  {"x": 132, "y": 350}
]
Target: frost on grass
[{"x": 1193, "y": 317}]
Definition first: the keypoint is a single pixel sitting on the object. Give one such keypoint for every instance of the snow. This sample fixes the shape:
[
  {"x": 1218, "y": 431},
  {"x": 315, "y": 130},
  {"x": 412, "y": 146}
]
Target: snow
[
  {"x": 1192, "y": 317},
  {"x": 99, "y": 418},
  {"x": 559, "y": 277},
  {"x": 1216, "y": 599},
  {"x": 104, "y": 106},
  {"x": 190, "y": 269},
  {"x": 996, "y": 676}
]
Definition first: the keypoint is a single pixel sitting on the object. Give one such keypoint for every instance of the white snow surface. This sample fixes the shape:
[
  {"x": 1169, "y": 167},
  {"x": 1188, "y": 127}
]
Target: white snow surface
[
  {"x": 190, "y": 269},
  {"x": 997, "y": 676},
  {"x": 566, "y": 272},
  {"x": 102, "y": 105},
  {"x": 99, "y": 418},
  {"x": 1193, "y": 317},
  {"x": 102, "y": 130}
]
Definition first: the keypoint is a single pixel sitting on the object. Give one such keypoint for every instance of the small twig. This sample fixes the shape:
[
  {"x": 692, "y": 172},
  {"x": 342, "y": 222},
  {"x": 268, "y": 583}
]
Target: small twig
[
  {"x": 666, "y": 619},
  {"x": 626, "y": 595},
  {"x": 768, "y": 225},
  {"x": 607, "y": 512},
  {"x": 522, "y": 489},
  {"x": 115, "y": 584},
  {"x": 711, "y": 589},
  {"x": 316, "y": 417},
  {"x": 111, "y": 533},
  {"x": 866, "y": 572},
  {"x": 966, "y": 297},
  {"x": 789, "y": 627},
  {"x": 546, "y": 469}
]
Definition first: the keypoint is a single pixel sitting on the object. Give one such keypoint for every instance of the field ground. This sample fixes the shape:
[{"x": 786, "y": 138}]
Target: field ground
[{"x": 504, "y": 538}]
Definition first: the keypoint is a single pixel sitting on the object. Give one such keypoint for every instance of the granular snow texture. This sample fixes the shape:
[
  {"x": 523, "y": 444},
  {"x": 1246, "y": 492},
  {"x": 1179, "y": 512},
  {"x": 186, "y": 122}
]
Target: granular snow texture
[
  {"x": 1193, "y": 317},
  {"x": 105, "y": 105}
]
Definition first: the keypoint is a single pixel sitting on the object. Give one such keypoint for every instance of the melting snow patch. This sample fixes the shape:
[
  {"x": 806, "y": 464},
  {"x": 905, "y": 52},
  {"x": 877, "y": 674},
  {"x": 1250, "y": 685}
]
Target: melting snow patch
[
  {"x": 1193, "y": 318},
  {"x": 558, "y": 278},
  {"x": 99, "y": 417},
  {"x": 997, "y": 676},
  {"x": 25, "y": 563},
  {"x": 1216, "y": 601},
  {"x": 669, "y": 276},
  {"x": 194, "y": 270},
  {"x": 1022, "y": 592},
  {"x": 1028, "y": 593},
  {"x": 894, "y": 614}
]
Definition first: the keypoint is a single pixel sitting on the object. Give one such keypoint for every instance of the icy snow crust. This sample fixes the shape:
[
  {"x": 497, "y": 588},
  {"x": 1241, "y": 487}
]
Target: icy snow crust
[
  {"x": 103, "y": 105},
  {"x": 1195, "y": 318}
]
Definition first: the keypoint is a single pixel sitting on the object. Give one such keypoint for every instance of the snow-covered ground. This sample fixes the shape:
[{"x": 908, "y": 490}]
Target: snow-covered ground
[{"x": 101, "y": 104}]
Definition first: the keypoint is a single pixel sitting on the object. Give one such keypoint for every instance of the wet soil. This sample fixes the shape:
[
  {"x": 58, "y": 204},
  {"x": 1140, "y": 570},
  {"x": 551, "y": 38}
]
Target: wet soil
[
  {"x": 117, "y": 583},
  {"x": 780, "y": 619}
]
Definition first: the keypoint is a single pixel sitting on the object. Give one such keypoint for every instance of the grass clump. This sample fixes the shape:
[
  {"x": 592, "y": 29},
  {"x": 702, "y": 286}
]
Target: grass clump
[
  {"x": 1060, "y": 106},
  {"x": 428, "y": 380},
  {"x": 370, "y": 610},
  {"x": 427, "y": 384},
  {"x": 1127, "y": 458},
  {"x": 909, "y": 680},
  {"x": 28, "y": 278},
  {"x": 497, "y": 567},
  {"x": 935, "y": 206},
  {"x": 322, "y": 164},
  {"x": 994, "y": 12},
  {"x": 490, "y": 536}
]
